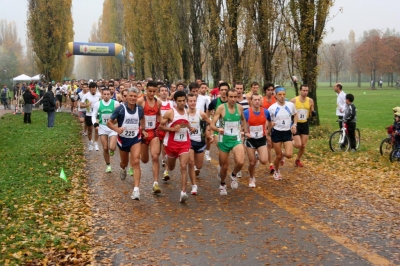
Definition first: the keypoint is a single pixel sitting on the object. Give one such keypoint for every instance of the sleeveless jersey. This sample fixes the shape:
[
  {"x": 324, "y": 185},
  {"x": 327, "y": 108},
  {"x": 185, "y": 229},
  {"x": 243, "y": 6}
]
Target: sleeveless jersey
[
  {"x": 180, "y": 138},
  {"x": 303, "y": 109},
  {"x": 266, "y": 104},
  {"x": 196, "y": 122},
  {"x": 105, "y": 112},
  {"x": 131, "y": 124},
  {"x": 257, "y": 123},
  {"x": 282, "y": 115},
  {"x": 231, "y": 125},
  {"x": 165, "y": 106},
  {"x": 150, "y": 115}
]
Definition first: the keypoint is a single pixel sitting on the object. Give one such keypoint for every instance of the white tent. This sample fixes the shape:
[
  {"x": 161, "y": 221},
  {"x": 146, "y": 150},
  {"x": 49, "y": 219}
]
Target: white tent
[
  {"x": 22, "y": 77},
  {"x": 37, "y": 77}
]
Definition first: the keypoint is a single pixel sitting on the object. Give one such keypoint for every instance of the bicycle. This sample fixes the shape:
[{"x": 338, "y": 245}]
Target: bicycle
[
  {"x": 339, "y": 140},
  {"x": 395, "y": 155},
  {"x": 387, "y": 144}
]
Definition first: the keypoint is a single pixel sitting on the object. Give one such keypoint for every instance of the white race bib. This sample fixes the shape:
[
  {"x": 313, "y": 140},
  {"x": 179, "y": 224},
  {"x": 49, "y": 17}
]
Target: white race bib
[
  {"x": 150, "y": 121},
  {"x": 256, "y": 132},
  {"x": 302, "y": 114},
  {"x": 196, "y": 126},
  {"x": 181, "y": 135},
  {"x": 130, "y": 131},
  {"x": 105, "y": 118},
  {"x": 231, "y": 128}
]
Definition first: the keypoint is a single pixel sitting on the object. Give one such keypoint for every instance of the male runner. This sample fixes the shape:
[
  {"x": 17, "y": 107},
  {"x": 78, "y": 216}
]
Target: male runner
[
  {"x": 305, "y": 108},
  {"x": 82, "y": 110},
  {"x": 268, "y": 100},
  {"x": 230, "y": 116},
  {"x": 281, "y": 129},
  {"x": 198, "y": 121},
  {"x": 108, "y": 137},
  {"x": 255, "y": 86},
  {"x": 151, "y": 107},
  {"x": 241, "y": 99},
  {"x": 202, "y": 103},
  {"x": 257, "y": 119},
  {"x": 177, "y": 142},
  {"x": 130, "y": 130}
]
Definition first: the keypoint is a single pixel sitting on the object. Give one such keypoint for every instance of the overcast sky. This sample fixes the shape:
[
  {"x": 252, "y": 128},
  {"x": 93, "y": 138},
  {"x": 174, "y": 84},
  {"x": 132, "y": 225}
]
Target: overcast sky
[{"x": 358, "y": 15}]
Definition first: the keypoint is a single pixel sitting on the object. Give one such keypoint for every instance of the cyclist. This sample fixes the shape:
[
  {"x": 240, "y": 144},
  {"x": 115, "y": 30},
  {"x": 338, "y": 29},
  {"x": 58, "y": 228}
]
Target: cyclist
[{"x": 350, "y": 118}]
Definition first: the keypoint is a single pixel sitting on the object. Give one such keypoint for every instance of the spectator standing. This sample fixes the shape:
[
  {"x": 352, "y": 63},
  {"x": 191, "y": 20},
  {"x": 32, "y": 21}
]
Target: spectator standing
[
  {"x": 49, "y": 106},
  {"x": 340, "y": 102},
  {"x": 28, "y": 100}
]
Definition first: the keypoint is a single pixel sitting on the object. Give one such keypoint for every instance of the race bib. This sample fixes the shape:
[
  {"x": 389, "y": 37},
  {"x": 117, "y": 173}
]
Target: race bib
[
  {"x": 130, "y": 131},
  {"x": 105, "y": 118},
  {"x": 256, "y": 132},
  {"x": 231, "y": 128},
  {"x": 196, "y": 126},
  {"x": 181, "y": 135},
  {"x": 150, "y": 121},
  {"x": 302, "y": 114}
]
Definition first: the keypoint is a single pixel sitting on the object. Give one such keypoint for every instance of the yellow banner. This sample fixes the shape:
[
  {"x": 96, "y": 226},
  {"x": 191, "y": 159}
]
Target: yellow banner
[{"x": 87, "y": 49}]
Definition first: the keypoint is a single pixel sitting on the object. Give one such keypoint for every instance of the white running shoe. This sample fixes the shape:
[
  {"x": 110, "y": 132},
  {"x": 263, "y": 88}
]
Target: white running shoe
[
  {"x": 222, "y": 190},
  {"x": 252, "y": 182},
  {"x": 90, "y": 146},
  {"x": 96, "y": 146},
  {"x": 239, "y": 174},
  {"x": 135, "y": 195},
  {"x": 184, "y": 197},
  {"x": 277, "y": 176},
  {"x": 234, "y": 183},
  {"x": 194, "y": 190},
  {"x": 196, "y": 171},
  {"x": 208, "y": 158}
]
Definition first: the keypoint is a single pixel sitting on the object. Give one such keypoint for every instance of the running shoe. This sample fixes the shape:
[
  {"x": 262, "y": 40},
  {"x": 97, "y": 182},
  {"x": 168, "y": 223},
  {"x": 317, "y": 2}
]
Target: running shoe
[
  {"x": 166, "y": 175},
  {"x": 130, "y": 171},
  {"x": 234, "y": 183},
  {"x": 111, "y": 153},
  {"x": 156, "y": 188},
  {"x": 85, "y": 133},
  {"x": 108, "y": 169},
  {"x": 239, "y": 174},
  {"x": 252, "y": 182},
  {"x": 162, "y": 163},
  {"x": 196, "y": 171},
  {"x": 271, "y": 169},
  {"x": 135, "y": 195},
  {"x": 184, "y": 197},
  {"x": 122, "y": 174},
  {"x": 282, "y": 162},
  {"x": 194, "y": 190},
  {"x": 208, "y": 158},
  {"x": 257, "y": 156},
  {"x": 277, "y": 176},
  {"x": 96, "y": 146},
  {"x": 297, "y": 163},
  {"x": 90, "y": 146},
  {"x": 222, "y": 190}
]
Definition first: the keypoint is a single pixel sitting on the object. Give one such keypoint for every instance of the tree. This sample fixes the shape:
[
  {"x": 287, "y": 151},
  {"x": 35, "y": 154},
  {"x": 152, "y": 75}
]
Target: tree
[
  {"x": 308, "y": 19},
  {"x": 50, "y": 28},
  {"x": 10, "y": 50}
]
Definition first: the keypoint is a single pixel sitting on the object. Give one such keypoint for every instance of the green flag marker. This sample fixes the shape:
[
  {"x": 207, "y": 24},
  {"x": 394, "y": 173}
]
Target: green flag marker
[{"x": 62, "y": 175}]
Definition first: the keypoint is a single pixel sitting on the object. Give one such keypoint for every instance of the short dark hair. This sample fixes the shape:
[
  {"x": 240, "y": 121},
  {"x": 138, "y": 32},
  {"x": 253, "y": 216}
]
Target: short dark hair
[
  {"x": 339, "y": 86},
  {"x": 193, "y": 85},
  {"x": 162, "y": 86},
  {"x": 254, "y": 94},
  {"x": 254, "y": 83},
  {"x": 179, "y": 94},
  {"x": 191, "y": 95},
  {"x": 230, "y": 90},
  {"x": 303, "y": 85},
  {"x": 105, "y": 89},
  {"x": 237, "y": 83},
  {"x": 203, "y": 83},
  {"x": 350, "y": 97},
  {"x": 267, "y": 85},
  {"x": 85, "y": 84},
  {"x": 152, "y": 83},
  {"x": 223, "y": 84}
]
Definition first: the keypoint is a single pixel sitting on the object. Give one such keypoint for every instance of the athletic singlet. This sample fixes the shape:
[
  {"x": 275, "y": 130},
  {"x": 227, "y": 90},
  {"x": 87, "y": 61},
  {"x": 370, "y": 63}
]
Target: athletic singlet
[
  {"x": 195, "y": 122},
  {"x": 303, "y": 109},
  {"x": 131, "y": 124},
  {"x": 150, "y": 115},
  {"x": 231, "y": 125},
  {"x": 266, "y": 104},
  {"x": 257, "y": 123},
  {"x": 165, "y": 106},
  {"x": 282, "y": 115},
  {"x": 105, "y": 111},
  {"x": 180, "y": 138}
]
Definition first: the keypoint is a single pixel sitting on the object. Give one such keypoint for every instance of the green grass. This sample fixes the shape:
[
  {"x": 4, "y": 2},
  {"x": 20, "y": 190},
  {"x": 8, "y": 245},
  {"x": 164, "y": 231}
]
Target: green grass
[{"x": 37, "y": 208}]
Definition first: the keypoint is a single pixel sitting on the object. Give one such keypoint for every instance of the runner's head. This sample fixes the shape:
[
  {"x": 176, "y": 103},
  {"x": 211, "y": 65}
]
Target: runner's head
[
  {"x": 223, "y": 89},
  {"x": 268, "y": 89},
  {"x": 238, "y": 86},
  {"x": 151, "y": 89},
  {"x": 180, "y": 86},
  {"x": 256, "y": 100},
  {"x": 172, "y": 88},
  {"x": 85, "y": 87},
  {"x": 337, "y": 88},
  {"x": 132, "y": 96},
  {"x": 106, "y": 94},
  {"x": 304, "y": 90},
  {"x": 163, "y": 92},
  {"x": 232, "y": 97},
  {"x": 280, "y": 95},
  {"x": 203, "y": 88},
  {"x": 92, "y": 88},
  {"x": 194, "y": 88},
  {"x": 192, "y": 99},
  {"x": 180, "y": 99},
  {"x": 255, "y": 86},
  {"x": 111, "y": 87}
]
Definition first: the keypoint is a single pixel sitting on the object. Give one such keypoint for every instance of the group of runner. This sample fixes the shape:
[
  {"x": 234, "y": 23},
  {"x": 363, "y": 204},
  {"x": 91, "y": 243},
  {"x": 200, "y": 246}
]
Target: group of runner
[{"x": 177, "y": 124}]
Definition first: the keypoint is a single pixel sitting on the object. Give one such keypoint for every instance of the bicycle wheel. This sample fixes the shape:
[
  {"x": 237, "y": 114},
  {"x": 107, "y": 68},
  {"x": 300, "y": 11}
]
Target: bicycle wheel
[
  {"x": 395, "y": 156},
  {"x": 358, "y": 138},
  {"x": 338, "y": 142},
  {"x": 386, "y": 146}
]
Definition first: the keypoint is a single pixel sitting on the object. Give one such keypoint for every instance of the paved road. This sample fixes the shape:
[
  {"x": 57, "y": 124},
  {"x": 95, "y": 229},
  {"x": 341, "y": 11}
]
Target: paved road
[{"x": 284, "y": 223}]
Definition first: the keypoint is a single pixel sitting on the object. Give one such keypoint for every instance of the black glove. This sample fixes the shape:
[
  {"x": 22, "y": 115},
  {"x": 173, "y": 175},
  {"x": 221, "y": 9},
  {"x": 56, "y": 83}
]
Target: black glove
[
  {"x": 96, "y": 125},
  {"x": 313, "y": 114}
]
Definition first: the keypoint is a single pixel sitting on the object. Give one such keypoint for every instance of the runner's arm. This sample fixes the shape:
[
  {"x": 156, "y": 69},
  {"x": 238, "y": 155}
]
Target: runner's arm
[
  {"x": 94, "y": 113},
  {"x": 217, "y": 115}
]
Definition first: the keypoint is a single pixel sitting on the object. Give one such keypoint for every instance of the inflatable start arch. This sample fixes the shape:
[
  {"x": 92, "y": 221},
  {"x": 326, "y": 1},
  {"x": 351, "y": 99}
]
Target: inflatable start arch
[{"x": 98, "y": 49}]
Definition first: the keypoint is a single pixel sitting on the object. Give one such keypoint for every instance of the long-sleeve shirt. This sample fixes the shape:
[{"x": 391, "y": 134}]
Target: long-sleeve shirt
[
  {"x": 350, "y": 113},
  {"x": 340, "y": 103}
]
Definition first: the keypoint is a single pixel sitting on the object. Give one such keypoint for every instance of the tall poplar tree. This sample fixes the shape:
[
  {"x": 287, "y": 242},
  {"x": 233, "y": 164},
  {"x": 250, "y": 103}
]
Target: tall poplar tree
[{"x": 50, "y": 28}]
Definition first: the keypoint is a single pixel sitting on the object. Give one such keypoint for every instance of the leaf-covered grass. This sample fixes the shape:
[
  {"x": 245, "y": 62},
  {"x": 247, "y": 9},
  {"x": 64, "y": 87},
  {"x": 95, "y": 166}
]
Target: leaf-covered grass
[{"x": 40, "y": 214}]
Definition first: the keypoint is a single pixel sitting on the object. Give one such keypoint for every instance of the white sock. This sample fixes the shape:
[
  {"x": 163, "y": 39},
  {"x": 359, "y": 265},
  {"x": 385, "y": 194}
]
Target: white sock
[
  {"x": 207, "y": 152},
  {"x": 155, "y": 183},
  {"x": 135, "y": 188}
]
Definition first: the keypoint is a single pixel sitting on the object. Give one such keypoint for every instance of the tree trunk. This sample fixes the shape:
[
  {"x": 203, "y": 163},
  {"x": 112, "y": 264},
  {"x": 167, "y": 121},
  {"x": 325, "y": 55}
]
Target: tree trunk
[
  {"x": 330, "y": 78},
  {"x": 185, "y": 65},
  {"x": 359, "y": 79},
  {"x": 196, "y": 40}
]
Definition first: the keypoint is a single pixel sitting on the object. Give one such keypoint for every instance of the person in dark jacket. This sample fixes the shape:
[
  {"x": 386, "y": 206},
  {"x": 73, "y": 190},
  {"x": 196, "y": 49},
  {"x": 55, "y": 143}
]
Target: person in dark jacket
[
  {"x": 350, "y": 118},
  {"x": 49, "y": 106},
  {"x": 28, "y": 100}
]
